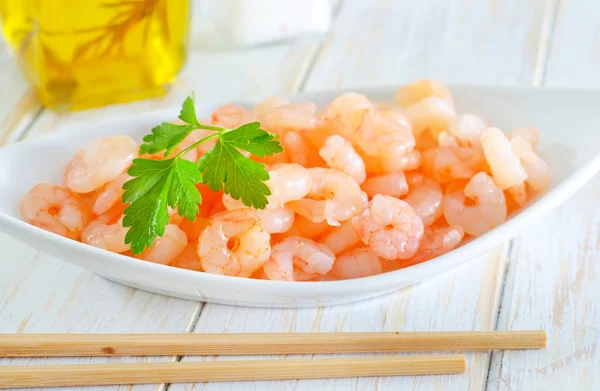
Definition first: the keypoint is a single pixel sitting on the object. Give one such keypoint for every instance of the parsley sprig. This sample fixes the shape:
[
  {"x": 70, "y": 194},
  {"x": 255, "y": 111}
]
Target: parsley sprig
[{"x": 159, "y": 184}]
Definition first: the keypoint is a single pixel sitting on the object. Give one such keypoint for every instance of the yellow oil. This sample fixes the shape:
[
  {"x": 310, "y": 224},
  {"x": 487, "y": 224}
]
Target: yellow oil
[{"x": 89, "y": 53}]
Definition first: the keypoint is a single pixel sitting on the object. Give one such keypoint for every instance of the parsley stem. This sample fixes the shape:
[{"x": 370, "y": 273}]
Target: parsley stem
[
  {"x": 194, "y": 145},
  {"x": 209, "y": 127}
]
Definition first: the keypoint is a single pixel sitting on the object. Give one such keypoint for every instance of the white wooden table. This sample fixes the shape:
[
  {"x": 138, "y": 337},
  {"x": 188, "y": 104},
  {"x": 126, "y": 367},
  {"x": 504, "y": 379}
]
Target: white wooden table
[{"x": 548, "y": 277}]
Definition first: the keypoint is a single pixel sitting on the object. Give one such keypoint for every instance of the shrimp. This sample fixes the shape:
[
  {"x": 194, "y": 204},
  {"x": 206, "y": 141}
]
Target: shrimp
[
  {"x": 538, "y": 173},
  {"x": 477, "y": 209},
  {"x": 390, "y": 227},
  {"x": 56, "y": 209},
  {"x": 193, "y": 229},
  {"x": 166, "y": 247},
  {"x": 341, "y": 238},
  {"x": 426, "y": 199},
  {"x": 276, "y": 220},
  {"x": 356, "y": 263},
  {"x": 529, "y": 133},
  {"x": 102, "y": 161},
  {"x": 342, "y": 116},
  {"x": 305, "y": 228},
  {"x": 338, "y": 153},
  {"x": 106, "y": 235},
  {"x": 299, "y": 116},
  {"x": 431, "y": 114},
  {"x": 309, "y": 256},
  {"x": 288, "y": 182},
  {"x": 188, "y": 258},
  {"x": 445, "y": 164},
  {"x": 334, "y": 197},
  {"x": 110, "y": 194},
  {"x": 232, "y": 116},
  {"x": 467, "y": 128},
  {"x": 436, "y": 241},
  {"x": 407, "y": 162},
  {"x": 299, "y": 150},
  {"x": 505, "y": 165},
  {"x": 269, "y": 103},
  {"x": 420, "y": 90},
  {"x": 379, "y": 135},
  {"x": 234, "y": 244},
  {"x": 393, "y": 185}
]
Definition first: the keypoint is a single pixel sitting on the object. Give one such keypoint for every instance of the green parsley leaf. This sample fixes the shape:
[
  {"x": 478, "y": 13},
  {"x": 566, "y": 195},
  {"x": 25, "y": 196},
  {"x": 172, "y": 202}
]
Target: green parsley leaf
[
  {"x": 165, "y": 137},
  {"x": 158, "y": 184},
  {"x": 188, "y": 111},
  {"x": 250, "y": 137},
  {"x": 224, "y": 167}
]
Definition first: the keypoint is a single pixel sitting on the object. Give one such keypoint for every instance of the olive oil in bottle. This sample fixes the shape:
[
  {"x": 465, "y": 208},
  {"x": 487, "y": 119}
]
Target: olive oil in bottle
[{"x": 82, "y": 54}]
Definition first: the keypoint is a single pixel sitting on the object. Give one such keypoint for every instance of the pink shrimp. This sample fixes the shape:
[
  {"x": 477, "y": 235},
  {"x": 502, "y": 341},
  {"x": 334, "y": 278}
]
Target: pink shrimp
[
  {"x": 390, "y": 227},
  {"x": 477, "y": 209},
  {"x": 56, "y": 209},
  {"x": 188, "y": 258},
  {"x": 110, "y": 194},
  {"x": 393, "y": 185},
  {"x": 426, "y": 199},
  {"x": 106, "y": 235},
  {"x": 251, "y": 244},
  {"x": 356, "y": 263},
  {"x": 309, "y": 256},
  {"x": 436, "y": 241},
  {"x": 102, "y": 161},
  {"x": 232, "y": 116}
]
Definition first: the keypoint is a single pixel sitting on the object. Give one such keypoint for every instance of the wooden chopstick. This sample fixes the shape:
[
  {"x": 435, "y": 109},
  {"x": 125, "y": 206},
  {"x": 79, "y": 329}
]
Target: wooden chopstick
[
  {"x": 52, "y": 345},
  {"x": 186, "y": 372}
]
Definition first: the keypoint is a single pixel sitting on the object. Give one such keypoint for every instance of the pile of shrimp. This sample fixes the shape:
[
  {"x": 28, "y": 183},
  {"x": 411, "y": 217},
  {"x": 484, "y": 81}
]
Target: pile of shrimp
[{"x": 361, "y": 188}]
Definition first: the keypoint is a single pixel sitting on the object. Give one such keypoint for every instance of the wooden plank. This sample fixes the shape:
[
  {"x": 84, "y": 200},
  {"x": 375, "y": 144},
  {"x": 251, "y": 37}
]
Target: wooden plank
[
  {"x": 553, "y": 279},
  {"x": 391, "y": 43},
  {"x": 41, "y": 293}
]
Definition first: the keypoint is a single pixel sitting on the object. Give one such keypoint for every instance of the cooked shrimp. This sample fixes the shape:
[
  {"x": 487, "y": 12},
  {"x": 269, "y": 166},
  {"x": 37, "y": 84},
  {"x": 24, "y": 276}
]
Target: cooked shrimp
[
  {"x": 299, "y": 116},
  {"x": 505, "y": 166},
  {"x": 251, "y": 244},
  {"x": 467, "y": 128},
  {"x": 299, "y": 150},
  {"x": 334, "y": 197},
  {"x": 444, "y": 164},
  {"x": 339, "y": 153},
  {"x": 232, "y": 116},
  {"x": 538, "y": 173},
  {"x": 407, "y": 162},
  {"x": 193, "y": 229},
  {"x": 275, "y": 220},
  {"x": 342, "y": 116},
  {"x": 431, "y": 114},
  {"x": 56, "y": 209},
  {"x": 188, "y": 258},
  {"x": 309, "y": 256},
  {"x": 381, "y": 136},
  {"x": 209, "y": 199},
  {"x": 305, "y": 228},
  {"x": 166, "y": 247},
  {"x": 288, "y": 182},
  {"x": 102, "y": 161},
  {"x": 341, "y": 238},
  {"x": 356, "y": 263},
  {"x": 390, "y": 227},
  {"x": 529, "y": 133},
  {"x": 110, "y": 194},
  {"x": 269, "y": 103},
  {"x": 107, "y": 236},
  {"x": 393, "y": 185},
  {"x": 477, "y": 209},
  {"x": 420, "y": 90},
  {"x": 436, "y": 241},
  {"x": 426, "y": 199}
]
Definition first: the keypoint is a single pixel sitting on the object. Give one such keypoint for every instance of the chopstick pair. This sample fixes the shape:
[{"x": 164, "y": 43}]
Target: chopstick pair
[{"x": 42, "y": 345}]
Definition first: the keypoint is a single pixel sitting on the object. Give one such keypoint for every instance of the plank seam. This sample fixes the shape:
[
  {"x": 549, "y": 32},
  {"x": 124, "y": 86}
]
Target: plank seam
[{"x": 547, "y": 32}]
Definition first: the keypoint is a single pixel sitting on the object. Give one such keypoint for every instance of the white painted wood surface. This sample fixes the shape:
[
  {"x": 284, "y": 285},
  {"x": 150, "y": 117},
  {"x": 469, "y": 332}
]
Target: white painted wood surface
[{"x": 551, "y": 280}]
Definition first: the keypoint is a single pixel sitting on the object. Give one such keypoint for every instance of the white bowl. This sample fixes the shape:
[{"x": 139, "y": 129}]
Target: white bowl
[{"x": 569, "y": 140}]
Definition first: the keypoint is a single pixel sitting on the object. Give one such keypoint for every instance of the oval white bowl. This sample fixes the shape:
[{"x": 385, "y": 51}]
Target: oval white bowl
[{"x": 569, "y": 140}]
